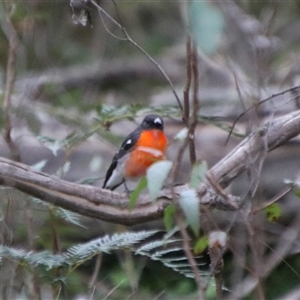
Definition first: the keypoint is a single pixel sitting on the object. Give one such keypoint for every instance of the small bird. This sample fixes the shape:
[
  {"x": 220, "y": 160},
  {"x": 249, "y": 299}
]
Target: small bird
[{"x": 140, "y": 149}]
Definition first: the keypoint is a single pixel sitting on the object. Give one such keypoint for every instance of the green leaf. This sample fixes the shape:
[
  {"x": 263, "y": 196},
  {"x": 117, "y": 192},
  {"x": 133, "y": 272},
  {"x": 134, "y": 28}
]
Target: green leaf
[
  {"x": 64, "y": 169},
  {"x": 189, "y": 203},
  {"x": 207, "y": 24},
  {"x": 168, "y": 216},
  {"x": 82, "y": 252},
  {"x": 135, "y": 194},
  {"x": 69, "y": 216},
  {"x": 95, "y": 164},
  {"x": 295, "y": 185},
  {"x": 156, "y": 176},
  {"x": 198, "y": 174},
  {"x": 52, "y": 144},
  {"x": 296, "y": 188},
  {"x": 181, "y": 134},
  {"x": 273, "y": 212},
  {"x": 201, "y": 245},
  {"x": 211, "y": 289},
  {"x": 66, "y": 215},
  {"x": 297, "y": 192},
  {"x": 39, "y": 165}
]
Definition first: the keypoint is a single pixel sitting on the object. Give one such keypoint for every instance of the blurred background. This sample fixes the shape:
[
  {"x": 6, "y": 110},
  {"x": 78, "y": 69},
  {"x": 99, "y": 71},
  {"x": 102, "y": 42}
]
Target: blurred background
[{"x": 79, "y": 90}]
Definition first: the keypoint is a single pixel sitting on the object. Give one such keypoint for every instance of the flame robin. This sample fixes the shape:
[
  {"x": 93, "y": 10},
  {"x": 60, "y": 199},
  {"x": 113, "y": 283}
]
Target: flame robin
[{"x": 140, "y": 149}]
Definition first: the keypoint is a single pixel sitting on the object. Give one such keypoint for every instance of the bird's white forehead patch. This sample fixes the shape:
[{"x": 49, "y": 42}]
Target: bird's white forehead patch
[
  {"x": 129, "y": 142},
  {"x": 157, "y": 120}
]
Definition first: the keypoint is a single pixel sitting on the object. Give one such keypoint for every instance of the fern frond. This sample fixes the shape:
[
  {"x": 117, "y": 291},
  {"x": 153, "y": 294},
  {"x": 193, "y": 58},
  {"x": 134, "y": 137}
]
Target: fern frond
[
  {"x": 165, "y": 251},
  {"x": 69, "y": 216},
  {"x": 46, "y": 259},
  {"x": 62, "y": 213},
  {"x": 170, "y": 253},
  {"x": 43, "y": 258},
  {"x": 154, "y": 245},
  {"x": 12, "y": 253},
  {"x": 105, "y": 244},
  {"x": 160, "y": 253}
]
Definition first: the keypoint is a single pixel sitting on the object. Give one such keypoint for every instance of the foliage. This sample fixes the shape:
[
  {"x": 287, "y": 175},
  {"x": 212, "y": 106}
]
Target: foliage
[
  {"x": 76, "y": 91},
  {"x": 156, "y": 175},
  {"x": 167, "y": 251}
]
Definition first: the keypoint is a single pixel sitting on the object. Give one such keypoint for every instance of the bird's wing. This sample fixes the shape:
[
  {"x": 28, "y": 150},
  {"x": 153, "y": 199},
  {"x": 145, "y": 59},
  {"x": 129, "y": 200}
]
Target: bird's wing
[{"x": 113, "y": 179}]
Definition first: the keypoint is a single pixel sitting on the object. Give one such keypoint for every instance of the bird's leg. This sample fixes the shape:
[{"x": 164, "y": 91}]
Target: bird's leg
[{"x": 126, "y": 188}]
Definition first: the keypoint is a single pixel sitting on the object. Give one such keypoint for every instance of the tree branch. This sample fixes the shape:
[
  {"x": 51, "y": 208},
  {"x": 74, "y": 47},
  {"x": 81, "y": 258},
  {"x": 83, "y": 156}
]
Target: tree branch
[{"x": 113, "y": 206}]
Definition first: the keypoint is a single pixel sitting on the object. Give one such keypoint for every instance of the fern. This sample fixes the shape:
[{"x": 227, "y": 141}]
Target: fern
[
  {"x": 105, "y": 244},
  {"x": 168, "y": 252},
  {"x": 154, "y": 245},
  {"x": 171, "y": 255},
  {"x": 62, "y": 213},
  {"x": 76, "y": 254},
  {"x": 43, "y": 258}
]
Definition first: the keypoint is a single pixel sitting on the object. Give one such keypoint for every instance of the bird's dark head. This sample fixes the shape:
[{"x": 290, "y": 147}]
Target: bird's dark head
[{"x": 152, "y": 122}]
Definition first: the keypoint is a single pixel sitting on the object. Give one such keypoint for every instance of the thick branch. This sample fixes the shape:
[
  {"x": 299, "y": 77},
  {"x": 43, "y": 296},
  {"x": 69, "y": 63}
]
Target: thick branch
[
  {"x": 271, "y": 135},
  {"x": 113, "y": 207}
]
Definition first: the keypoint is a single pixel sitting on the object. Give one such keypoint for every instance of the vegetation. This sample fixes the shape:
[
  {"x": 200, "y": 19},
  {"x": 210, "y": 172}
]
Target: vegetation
[{"x": 219, "y": 219}]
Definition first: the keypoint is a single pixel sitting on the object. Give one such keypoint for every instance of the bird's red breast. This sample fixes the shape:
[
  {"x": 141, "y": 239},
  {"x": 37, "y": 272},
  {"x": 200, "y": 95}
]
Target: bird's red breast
[{"x": 150, "y": 147}]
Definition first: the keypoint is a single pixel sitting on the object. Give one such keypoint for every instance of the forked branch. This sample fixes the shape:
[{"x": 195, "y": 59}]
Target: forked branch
[{"x": 113, "y": 206}]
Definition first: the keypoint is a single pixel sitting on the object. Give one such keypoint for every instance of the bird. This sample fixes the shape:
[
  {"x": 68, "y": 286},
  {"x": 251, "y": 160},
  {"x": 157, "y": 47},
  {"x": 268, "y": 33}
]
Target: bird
[{"x": 141, "y": 148}]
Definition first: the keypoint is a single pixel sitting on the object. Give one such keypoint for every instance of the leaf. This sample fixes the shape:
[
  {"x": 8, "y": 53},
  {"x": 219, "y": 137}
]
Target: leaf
[
  {"x": 198, "y": 174},
  {"x": 82, "y": 252},
  {"x": 52, "y": 144},
  {"x": 297, "y": 192},
  {"x": 168, "y": 216},
  {"x": 296, "y": 188},
  {"x": 156, "y": 176},
  {"x": 64, "y": 169},
  {"x": 171, "y": 254},
  {"x": 211, "y": 289},
  {"x": 95, "y": 164},
  {"x": 75, "y": 255},
  {"x": 135, "y": 194},
  {"x": 181, "y": 134},
  {"x": 273, "y": 212},
  {"x": 201, "y": 245},
  {"x": 66, "y": 215},
  {"x": 207, "y": 24},
  {"x": 295, "y": 185},
  {"x": 69, "y": 216},
  {"x": 150, "y": 247},
  {"x": 189, "y": 204},
  {"x": 39, "y": 165}
]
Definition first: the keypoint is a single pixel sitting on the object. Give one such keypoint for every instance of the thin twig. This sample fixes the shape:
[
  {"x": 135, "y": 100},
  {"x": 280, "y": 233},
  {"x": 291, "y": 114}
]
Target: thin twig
[
  {"x": 290, "y": 90},
  {"x": 186, "y": 91},
  {"x": 10, "y": 81},
  {"x": 272, "y": 200},
  {"x": 130, "y": 40},
  {"x": 178, "y": 218},
  {"x": 191, "y": 122},
  {"x": 190, "y": 256},
  {"x": 196, "y": 105},
  {"x": 217, "y": 264},
  {"x": 256, "y": 260},
  {"x": 290, "y": 235},
  {"x": 93, "y": 280}
]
